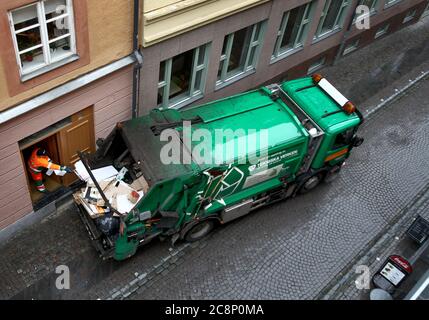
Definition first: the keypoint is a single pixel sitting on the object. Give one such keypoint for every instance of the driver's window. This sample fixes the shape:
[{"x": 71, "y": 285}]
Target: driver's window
[{"x": 343, "y": 139}]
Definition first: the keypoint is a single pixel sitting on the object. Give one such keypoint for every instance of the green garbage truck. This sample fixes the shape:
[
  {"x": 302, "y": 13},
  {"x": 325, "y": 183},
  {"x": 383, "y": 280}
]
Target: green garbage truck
[{"x": 283, "y": 139}]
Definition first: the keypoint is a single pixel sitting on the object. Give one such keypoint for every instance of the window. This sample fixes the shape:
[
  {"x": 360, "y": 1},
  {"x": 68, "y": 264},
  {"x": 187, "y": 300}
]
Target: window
[
  {"x": 352, "y": 46},
  {"x": 240, "y": 53},
  {"x": 410, "y": 16},
  {"x": 343, "y": 139},
  {"x": 182, "y": 78},
  {"x": 293, "y": 30},
  {"x": 317, "y": 65},
  {"x": 332, "y": 17},
  {"x": 381, "y": 31},
  {"x": 390, "y": 2},
  {"x": 371, "y": 4},
  {"x": 43, "y": 36},
  {"x": 426, "y": 11}
]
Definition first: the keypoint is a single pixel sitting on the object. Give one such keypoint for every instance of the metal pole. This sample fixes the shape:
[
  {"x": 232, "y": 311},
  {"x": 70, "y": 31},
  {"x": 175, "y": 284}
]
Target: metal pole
[
  {"x": 137, "y": 65},
  {"x": 345, "y": 35}
]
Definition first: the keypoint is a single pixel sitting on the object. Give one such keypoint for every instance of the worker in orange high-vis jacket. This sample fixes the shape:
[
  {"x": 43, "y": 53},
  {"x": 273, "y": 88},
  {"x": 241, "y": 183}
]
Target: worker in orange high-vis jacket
[{"x": 38, "y": 161}]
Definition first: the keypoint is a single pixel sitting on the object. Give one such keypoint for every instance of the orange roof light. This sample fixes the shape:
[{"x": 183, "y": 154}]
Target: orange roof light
[
  {"x": 316, "y": 77},
  {"x": 349, "y": 107}
]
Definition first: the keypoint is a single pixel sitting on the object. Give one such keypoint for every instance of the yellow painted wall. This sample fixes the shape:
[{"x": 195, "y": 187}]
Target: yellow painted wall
[
  {"x": 163, "y": 19},
  {"x": 110, "y": 25}
]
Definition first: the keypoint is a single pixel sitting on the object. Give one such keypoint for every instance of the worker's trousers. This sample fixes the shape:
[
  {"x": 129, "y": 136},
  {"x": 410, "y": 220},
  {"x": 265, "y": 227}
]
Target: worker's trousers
[{"x": 38, "y": 180}]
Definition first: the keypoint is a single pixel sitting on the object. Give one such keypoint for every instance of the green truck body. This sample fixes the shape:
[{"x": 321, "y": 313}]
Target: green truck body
[{"x": 309, "y": 135}]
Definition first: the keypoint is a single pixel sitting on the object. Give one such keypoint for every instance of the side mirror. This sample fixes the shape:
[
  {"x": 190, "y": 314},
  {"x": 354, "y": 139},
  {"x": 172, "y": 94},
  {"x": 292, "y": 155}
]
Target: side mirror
[{"x": 357, "y": 141}]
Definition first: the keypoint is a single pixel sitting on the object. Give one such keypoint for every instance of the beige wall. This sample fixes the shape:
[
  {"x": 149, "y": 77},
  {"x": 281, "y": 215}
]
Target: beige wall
[
  {"x": 168, "y": 18},
  {"x": 110, "y": 38}
]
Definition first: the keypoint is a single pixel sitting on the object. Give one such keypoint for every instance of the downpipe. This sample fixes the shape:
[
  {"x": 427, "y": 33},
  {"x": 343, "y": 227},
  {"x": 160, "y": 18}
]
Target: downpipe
[{"x": 139, "y": 61}]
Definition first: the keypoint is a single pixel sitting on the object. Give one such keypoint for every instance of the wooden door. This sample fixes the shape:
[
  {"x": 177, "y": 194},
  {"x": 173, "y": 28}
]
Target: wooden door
[{"x": 77, "y": 136}]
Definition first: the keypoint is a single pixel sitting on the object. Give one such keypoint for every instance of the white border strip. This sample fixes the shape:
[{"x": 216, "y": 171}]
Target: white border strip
[{"x": 65, "y": 88}]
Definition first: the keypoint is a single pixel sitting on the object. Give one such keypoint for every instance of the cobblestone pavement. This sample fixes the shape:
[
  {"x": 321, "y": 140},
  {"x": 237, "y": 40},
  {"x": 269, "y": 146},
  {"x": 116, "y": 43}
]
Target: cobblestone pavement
[
  {"x": 293, "y": 249},
  {"x": 289, "y": 250},
  {"x": 393, "y": 241}
]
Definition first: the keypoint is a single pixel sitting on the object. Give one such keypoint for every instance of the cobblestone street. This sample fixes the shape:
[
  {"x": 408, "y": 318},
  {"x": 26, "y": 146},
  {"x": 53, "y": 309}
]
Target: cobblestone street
[{"x": 296, "y": 249}]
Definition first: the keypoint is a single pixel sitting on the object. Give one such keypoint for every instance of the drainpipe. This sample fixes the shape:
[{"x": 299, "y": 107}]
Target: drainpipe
[
  {"x": 345, "y": 35},
  {"x": 139, "y": 61}
]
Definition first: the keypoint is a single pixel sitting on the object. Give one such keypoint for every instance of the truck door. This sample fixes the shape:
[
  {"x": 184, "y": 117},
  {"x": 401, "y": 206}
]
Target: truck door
[{"x": 340, "y": 146}]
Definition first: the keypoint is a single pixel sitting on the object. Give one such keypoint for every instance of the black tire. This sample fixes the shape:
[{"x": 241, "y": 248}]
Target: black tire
[
  {"x": 332, "y": 174},
  {"x": 200, "y": 230},
  {"x": 310, "y": 183}
]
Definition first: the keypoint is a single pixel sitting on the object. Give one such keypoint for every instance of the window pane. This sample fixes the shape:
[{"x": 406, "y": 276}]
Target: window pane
[
  {"x": 198, "y": 77},
  {"x": 60, "y": 49},
  {"x": 331, "y": 15},
  {"x": 54, "y": 8},
  {"x": 25, "y": 17},
  {"x": 160, "y": 95},
  {"x": 252, "y": 56},
  {"x": 219, "y": 72},
  {"x": 32, "y": 60},
  {"x": 201, "y": 55},
  {"x": 181, "y": 74},
  {"x": 28, "y": 38},
  {"x": 292, "y": 27},
  {"x": 162, "y": 71},
  {"x": 239, "y": 49},
  {"x": 257, "y": 31},
  {"x": 225, "y": 41},
  {"x": 58, "y": 28}
]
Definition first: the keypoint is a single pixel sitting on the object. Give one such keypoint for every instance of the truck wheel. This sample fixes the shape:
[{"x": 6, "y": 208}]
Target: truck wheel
[
  {"x": 332, "y": 174},
  {"x": 310, "y": 183},
  {"x": 200, "y": 230}
]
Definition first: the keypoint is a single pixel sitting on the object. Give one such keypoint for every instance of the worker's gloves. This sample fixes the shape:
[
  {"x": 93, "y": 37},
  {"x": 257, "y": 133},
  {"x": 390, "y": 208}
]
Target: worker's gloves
[{"x": 66, "y": 169}]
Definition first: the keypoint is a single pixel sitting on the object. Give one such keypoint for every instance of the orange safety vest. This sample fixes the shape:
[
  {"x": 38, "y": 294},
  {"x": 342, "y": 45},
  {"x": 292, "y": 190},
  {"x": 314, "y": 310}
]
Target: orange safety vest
[{"x": 37, "y": 163}]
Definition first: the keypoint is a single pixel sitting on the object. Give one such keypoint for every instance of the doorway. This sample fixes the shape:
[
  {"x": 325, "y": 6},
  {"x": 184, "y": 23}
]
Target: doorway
[{"x": 62, "y": 141}]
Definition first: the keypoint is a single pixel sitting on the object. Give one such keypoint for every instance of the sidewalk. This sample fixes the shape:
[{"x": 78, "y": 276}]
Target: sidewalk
[
  {"x": 393, "y": 241},
  {"x": 29, "y": 257}
]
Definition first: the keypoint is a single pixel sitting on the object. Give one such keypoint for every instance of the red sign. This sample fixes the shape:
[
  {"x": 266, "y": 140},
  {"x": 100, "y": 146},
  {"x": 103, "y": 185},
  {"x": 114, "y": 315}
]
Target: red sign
[{"x": 402, "y": 262}]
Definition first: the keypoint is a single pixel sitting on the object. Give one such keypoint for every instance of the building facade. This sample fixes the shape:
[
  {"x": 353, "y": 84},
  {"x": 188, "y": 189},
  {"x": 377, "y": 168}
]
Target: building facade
[
  {"x": 66, "y": 66},
  {"x": 65, "y": 80},
  {"x": 200, "y": 50}
]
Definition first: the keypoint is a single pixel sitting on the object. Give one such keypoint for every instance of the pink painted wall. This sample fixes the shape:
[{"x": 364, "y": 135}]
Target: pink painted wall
[{"x": 111, "y": 98}]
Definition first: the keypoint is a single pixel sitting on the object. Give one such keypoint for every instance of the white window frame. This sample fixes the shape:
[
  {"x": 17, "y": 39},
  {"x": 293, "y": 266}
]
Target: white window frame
[
  {"x": 249, "y": 66},
  {"x": 338, "y": 22},
  {"x": 49, "y": 62},
  {"x": 425, "y": 11},
  {"x": 390, "y": 3},
  {"x": 194, "y": 92},
  {"x": 382, "y": 31},
  {"x": 316, "y": 65},
  {"x": 410, "y": 16},
  {"x": 352, "y": 46},
  {"x": 301, "y": 35}
]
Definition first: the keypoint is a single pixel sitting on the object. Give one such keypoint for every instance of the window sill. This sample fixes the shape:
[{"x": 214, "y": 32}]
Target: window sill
[
  {"x": 325, "y": 35},
  {"x": 50, "y": 67},
  {"x": 388, "y": 5},
  {"x": 237, "y": 77},
  {"x": 183, "y": 102},
  {"x": 350, "y": 50},
  {"x": 285, "y": 54}
]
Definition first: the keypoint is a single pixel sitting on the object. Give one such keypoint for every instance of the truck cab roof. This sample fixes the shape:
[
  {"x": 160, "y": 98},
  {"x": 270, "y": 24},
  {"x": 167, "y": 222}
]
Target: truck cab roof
[{"x": 323, "y": 109}]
